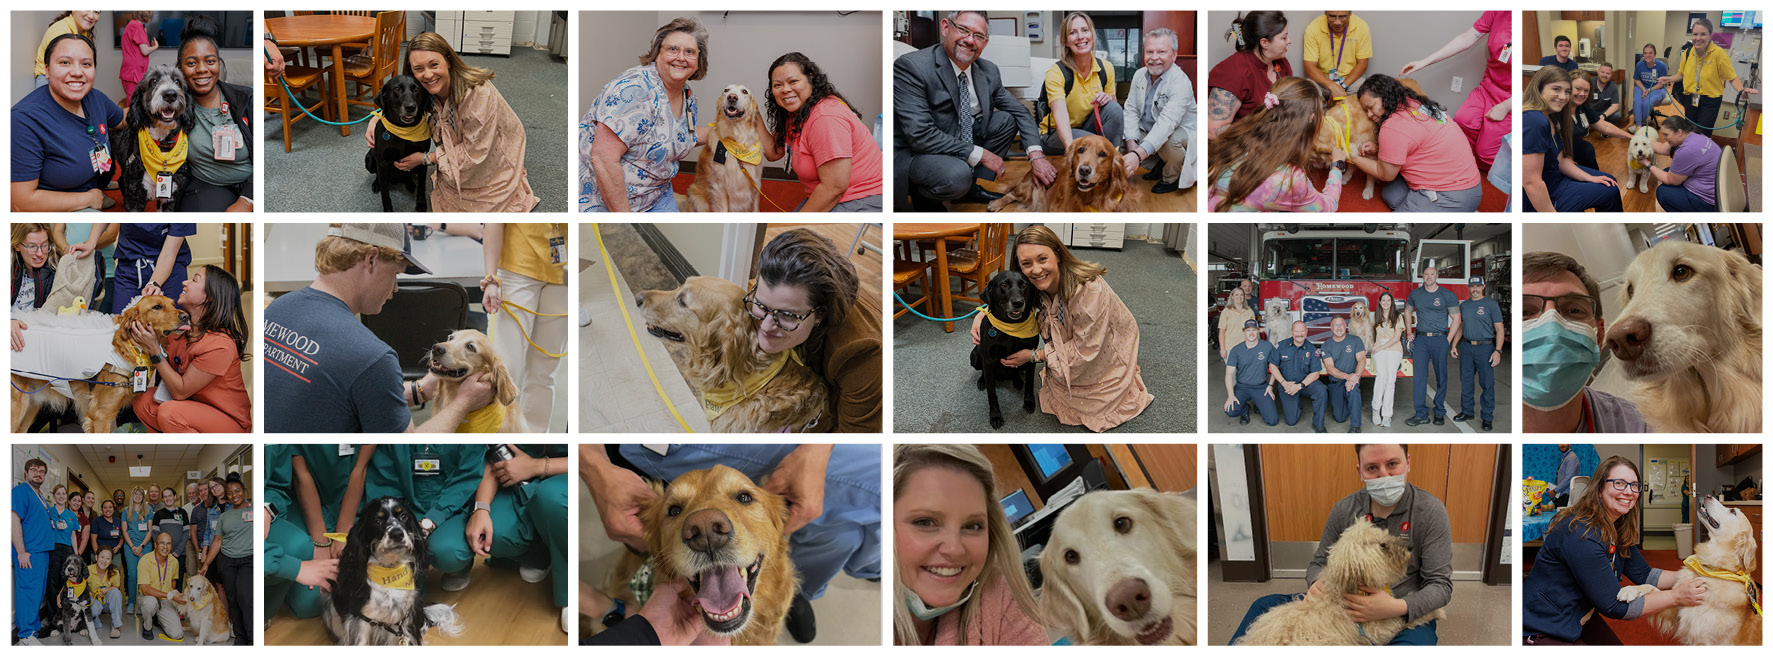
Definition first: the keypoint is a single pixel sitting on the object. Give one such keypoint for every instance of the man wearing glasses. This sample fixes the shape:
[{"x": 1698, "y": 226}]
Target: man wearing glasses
[
  {"x": 956, "y": 120},
  {"x": 1560, "y": 351},
  {"x": 31, "y": 545}
]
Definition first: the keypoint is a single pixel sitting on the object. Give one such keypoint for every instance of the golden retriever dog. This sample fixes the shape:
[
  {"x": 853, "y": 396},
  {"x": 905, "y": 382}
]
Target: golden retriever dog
[
  {"x": 727, "y": 537},
  {"x": 1119, "y": 569},
  {"x": 469, "y": 352},
  {"x": 206, "y": 610},
  {"x": 97, "y": 405},
  {"x": 1346, "y": 122},
  {"x": 739, "y": 129},
  {"x": 1688, "y": 334},
  {"x": 1091, "y": 179},
  {"x": 1360, "y": 323},
  {"x": 1726, "y": 617},
  {"x": 1364, "y": 556},
  {"x": 717, "y": 336}
]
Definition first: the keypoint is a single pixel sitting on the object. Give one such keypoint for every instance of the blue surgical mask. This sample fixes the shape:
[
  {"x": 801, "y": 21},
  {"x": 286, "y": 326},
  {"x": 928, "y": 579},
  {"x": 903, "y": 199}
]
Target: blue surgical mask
[
  {"x": 1557, "y": 357},
  {"x": 924, "y": 612}
]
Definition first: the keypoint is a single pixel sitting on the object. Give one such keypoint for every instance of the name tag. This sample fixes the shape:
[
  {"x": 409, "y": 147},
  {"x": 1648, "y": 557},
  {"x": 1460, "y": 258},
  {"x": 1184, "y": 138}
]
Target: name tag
[
  {"x": 347, "y": 450},
  {"x": 223, "y": 141},
  {"x": 141, "y": 526},
  {"x": 162, "y": 189},
  {"x": 556, "y": 250},
  {"x": 114, "y": 532},
  {"x": 427, "y": 466},
  {"x": 138, "y": 381},
  {"x": 246, "y": 516}
]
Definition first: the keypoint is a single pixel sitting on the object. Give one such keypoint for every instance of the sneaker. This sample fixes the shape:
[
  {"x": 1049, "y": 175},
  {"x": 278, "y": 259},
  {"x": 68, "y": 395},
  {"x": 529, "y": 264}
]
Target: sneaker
[
  {"x": 531, "y": 574},
  {"x": 129, "y": 609},
  {"x": 584, "y": 316},
  {"x": 455, "y": 581},
  {"x": 1440, "y": 420},
  {"x": 148, "y": 631},
  {"x": 800, "y": 620},
  {"x": 1415, "y": 421},
  {"x": 564, "y": 615},
  {"x": 31, "y": 641},
  {"x": 116, "y": 633}
]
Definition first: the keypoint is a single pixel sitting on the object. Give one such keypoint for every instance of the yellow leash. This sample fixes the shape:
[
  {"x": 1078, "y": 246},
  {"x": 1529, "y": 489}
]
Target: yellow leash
[
  {"x": 506, "y": 306},
  {"x": 629, "y": 322},
  {"x": 760, "y": 190}
]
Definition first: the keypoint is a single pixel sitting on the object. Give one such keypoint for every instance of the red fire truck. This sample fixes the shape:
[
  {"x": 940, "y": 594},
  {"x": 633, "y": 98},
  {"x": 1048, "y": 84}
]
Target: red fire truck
[{"x": 1314, "y": 273}]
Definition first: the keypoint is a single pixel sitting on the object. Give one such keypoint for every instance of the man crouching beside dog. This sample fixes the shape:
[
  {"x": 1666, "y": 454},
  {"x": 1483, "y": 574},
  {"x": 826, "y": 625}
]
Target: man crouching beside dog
[
  {"x": 329, "y": 373},
  {"x": 1403, "y": 510}
]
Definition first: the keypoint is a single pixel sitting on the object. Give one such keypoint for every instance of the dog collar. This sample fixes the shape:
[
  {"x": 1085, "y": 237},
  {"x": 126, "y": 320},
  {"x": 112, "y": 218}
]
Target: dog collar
[
  {"x": 641, "y": 582},
  {"x": 420, "y": 132},
  {"x": 158, "y": 161},
  {"x": 752, "y": 155},
  {"x": 1024, "y": 329},
  {"x": 1091, "y": 208},
  {"x": 396, "y": 578},
  {"x": 716, "y": 400},
  {"x": 1692, "y": 562},
  {"x": 387, "y": 627},
  {"x": 487, "y": 419}
]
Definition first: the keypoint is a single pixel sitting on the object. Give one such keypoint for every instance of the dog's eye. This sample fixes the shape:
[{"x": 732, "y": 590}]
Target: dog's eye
[
  {"x": 680, "y": 302},
  {"x": 743, "y": 497},
  {"x": 471, "y": 348},
  {"x": 1123, "y": 525},
  {"x": 674, "y": 511},
  {"x": 1071, "y": 557},
  {"x": 1101, "y": 154},
  {"x": 1384, "y": 547},
  {"x": 1681, "y": 273},
  {"x": 1630, "y": 289}
]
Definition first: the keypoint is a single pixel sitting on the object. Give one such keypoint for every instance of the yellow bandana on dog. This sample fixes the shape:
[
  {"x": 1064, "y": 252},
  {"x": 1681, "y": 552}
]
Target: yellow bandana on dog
[
  {"x": 488, "y": 419},
  {"x": 752, "y": 155},
  {"x": 1692, "y": 562},
  {"x": 1025, "y": 328},
  {"x": 715, "y": 401},
  {"x": 420, "y": 132},
  {"x": 1091, "y": 208},
  {"x": 156, "y": 160},
  {"x": 79, "y": 587},
  {"x": 397, "y": 578},
  {"x": 1634, "y": 163}
]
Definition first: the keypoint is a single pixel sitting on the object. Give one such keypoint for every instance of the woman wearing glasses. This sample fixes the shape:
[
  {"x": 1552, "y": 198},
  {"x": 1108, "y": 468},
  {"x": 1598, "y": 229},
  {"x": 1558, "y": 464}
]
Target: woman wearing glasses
[
  {"x": 1575, "y": 579},
  {"x": 642, "y": 124},
  {"x": 806, "y": 299}
]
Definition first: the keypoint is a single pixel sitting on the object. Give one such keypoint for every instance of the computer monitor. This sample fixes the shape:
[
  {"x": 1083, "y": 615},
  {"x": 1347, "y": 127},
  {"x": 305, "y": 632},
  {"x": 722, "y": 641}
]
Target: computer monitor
[
  {"x": 1016, "y": 506},
  {"x": 1732, "y": 19},
  {"x": 1049, "y": 459}
]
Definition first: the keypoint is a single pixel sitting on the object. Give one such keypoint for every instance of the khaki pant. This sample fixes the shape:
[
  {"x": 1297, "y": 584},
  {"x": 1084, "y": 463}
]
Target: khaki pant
[{"x": 155, "y": 610}]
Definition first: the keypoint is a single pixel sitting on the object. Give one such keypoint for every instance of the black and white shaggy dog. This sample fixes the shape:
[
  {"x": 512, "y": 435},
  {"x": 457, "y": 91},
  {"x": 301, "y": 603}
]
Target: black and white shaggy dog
[
  {"x": 405, "y": 104},
  {"x": 161, "y": 105},
  {"x": 71, "y": 616},
  {"x": 379, "y": 597},
  {"x": 1010, "y": 299}
]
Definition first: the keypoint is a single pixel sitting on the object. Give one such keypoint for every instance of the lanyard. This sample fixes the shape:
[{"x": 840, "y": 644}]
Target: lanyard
[
  {"x": 162, "y": 565},
  {"x": 1345, "y": 34}
]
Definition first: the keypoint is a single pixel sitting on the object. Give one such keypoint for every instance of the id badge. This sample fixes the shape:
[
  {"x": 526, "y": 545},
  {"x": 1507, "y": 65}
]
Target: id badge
[
  {"x": 141, "y": 526},
  {"x": 1695, "y": 98},
  {"x": 162, "y": 189},
  {"x": 1504, "y": 55},
  {"x": 114, "y": 532},
  {"x": 347, "y": 450},
  {"x": 427, "y": 463},
  {"x": 222, "y": 140},
  {"x": 246, "y": 516},
  {"x": 556, "y": 250},
  {"x": 138, "y": 380},
  {"x": 101, "y": 159}
]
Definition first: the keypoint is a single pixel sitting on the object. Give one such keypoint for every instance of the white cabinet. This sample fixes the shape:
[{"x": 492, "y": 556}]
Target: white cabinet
[
  {"x": 477, "y": 32},
  {"x": 1095, "y": 235}
]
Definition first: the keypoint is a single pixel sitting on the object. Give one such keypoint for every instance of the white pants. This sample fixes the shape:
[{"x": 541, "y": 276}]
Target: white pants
[
  {"x": 1385, "y": 365},
  {"x": 531, "y": 369},
  {"x": 155, "y": 610}
]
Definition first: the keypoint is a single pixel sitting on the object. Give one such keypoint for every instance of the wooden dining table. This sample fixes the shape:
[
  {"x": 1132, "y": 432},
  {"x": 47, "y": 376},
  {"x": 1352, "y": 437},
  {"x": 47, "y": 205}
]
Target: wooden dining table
[
  {"x": 939, "y": 233},
  {"x": 326, "y": 31}
]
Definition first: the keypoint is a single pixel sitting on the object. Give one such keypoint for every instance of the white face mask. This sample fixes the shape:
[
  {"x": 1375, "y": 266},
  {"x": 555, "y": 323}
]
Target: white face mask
[
  {"x": 1386, "y": 490},
  {"x": 924, "y": 612}
]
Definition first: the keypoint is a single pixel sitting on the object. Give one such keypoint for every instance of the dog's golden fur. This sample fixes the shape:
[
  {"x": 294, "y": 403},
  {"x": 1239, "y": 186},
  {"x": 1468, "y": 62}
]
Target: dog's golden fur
[
  {"x": 1157, "y": 548},
  {"x": 1091, "y": 178},
  {"x": 1348, "y": 116},
  {"x": 1360, "y": 324},
  {"x": 718, "y": 338},
  {"x": 98, "y": 405},
  {"x": 759, "y": 528},
  {"x": 469, "y": 352},
  {"x": 1725, "y": 617},
  {"x": 1700, "y": 369},
  {"x": 206, "y": 610},
  {"x": 1364, "y": 556},
  {"x": 722, "y": 187}
]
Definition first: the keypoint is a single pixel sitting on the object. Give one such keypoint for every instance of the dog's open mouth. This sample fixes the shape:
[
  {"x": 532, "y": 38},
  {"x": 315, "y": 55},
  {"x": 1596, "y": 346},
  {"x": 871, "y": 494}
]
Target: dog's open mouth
[
  {"x": 661, "y": 333},
  {"x": 458, "y": 372},
  {"x": 723, "y": 594},
  {"x": 1015, "y": 315},
  {"x": 183, "y": 327},
  {"x": 733, "y": 111},
  {"x": 1706, "y": 515},
  {"x": 1084, "y": 184},
  {"x": 167, "y": 115},
  {"x": 1156, "y": 632}
]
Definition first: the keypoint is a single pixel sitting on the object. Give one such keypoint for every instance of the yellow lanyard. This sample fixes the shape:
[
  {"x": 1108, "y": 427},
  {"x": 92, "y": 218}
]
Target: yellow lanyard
[{"x": 156, "y": 160}]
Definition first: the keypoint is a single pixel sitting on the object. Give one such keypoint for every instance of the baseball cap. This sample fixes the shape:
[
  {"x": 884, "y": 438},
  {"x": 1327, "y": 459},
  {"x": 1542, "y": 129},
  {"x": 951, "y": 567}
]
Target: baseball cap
[
  {"x": 386, "y": 235},
  {"x": 1252, "y": 323},
  {"x": 1476, "y": 280}
]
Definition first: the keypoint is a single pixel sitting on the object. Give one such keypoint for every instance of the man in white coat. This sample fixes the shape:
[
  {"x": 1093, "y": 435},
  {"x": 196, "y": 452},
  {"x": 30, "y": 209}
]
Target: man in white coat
[{"x": 1160, "y": 116}]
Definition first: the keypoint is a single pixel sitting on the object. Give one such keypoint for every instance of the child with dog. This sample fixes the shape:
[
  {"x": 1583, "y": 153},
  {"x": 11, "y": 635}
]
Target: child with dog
[
  {"x": 833, "y": 154},
  {"x": 642, "y": 124},
  {"x": 61, "y": 156},
  {"x": 1422, "y": 157},
  {"x": 1553, "y": 181},
  {"x": 1258, "y": 165},
  {"x": 199, "y": 368}
]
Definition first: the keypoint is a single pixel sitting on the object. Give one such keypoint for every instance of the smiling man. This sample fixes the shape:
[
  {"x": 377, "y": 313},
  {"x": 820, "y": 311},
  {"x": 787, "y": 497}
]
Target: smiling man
[
  {"x": 1338, "y": 47},
  {"x": 1160, "y": 112},
  {"x": 1562, "y": 58}
]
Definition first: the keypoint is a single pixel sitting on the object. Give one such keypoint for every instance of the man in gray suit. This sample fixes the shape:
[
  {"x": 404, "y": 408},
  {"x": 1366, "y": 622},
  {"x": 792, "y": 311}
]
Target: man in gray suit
[{"x": 956, "y": 120}]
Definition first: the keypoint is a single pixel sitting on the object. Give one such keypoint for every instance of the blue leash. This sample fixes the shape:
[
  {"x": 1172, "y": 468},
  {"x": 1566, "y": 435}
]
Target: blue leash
[
  {"x": 52, "y": 379},
  {"x": 914, "y": 310},
  {"x": 311, "y": 115}
]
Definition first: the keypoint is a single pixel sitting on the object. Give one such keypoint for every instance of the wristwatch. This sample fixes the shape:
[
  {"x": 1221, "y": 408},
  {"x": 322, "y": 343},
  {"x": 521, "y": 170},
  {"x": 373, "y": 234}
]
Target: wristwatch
[
  {"x": 155, "y": 358},
  {"x": 482, "y": 505},
  {"x": 1341, "y": 166}
]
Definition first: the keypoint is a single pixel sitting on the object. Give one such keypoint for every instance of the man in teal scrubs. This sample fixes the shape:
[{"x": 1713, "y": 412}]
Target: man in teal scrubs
[{"x": 312, "y": 490}]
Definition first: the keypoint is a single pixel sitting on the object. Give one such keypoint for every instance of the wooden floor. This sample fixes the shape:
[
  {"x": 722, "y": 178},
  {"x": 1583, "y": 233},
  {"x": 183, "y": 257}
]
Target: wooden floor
[
  {"x": 498, "y": 608},
  {"x": 1175, "y": 201},
  {"x": 868, "y": 264},
  {"x": 1610, "y": 154}
]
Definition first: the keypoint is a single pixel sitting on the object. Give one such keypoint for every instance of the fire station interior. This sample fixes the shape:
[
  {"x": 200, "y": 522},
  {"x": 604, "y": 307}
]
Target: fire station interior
[{"x": 1316, "y": 272}]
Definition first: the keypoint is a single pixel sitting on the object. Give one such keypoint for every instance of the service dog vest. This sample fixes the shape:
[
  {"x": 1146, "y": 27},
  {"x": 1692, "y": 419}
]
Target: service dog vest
[
  {"x": 1692, "y": 563},
  {"x": 394, "y": 578},
  {"x": 715, "y": 401},
  {"x": 488, "y": 419},
  {"x": 1024, "y": 329},
  {"x": 158, "y": 161},
  {"x": 420, "y": 132}
]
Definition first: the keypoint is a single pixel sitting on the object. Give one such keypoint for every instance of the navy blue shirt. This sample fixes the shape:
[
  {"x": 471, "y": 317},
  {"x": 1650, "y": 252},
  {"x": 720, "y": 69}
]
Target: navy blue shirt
[
  {"x": 1577, "y": 571},
  {"x": 1552, "y": 60},
  {"x": 108, "y": 532},
  {"x": 1297, "y": 362},
  {"x": 1251, "y": 363},
  {"x": 1434, "y": 310},
  {"x": 1538, "y": 138},
  {"x": 1342, "y": 353},
  {"x": 143, "y": 241},
  {"x": 327, "y": 373},
  {"x": 1478, "y": 319},
  {"x": 53, "y": 146}
]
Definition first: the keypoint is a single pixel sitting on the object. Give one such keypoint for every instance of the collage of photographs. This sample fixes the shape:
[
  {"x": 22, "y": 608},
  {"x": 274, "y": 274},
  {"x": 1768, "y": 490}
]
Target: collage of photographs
[{"x": 935, "y": 356}]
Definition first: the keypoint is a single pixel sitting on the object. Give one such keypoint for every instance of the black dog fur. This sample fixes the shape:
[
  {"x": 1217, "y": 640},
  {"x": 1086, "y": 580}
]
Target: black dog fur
[
  {"x": 132, "y": 181},
  {"x": 351, "y": 592},
  {"x": 70, "y": 616},
  {"x": 1011, "y": 298},
  {"x": 405, "y": 103}
]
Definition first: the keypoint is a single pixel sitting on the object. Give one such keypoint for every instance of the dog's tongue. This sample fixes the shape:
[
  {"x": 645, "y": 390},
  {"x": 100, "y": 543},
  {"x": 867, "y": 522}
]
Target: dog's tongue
[{"x": 722, "y": 589}]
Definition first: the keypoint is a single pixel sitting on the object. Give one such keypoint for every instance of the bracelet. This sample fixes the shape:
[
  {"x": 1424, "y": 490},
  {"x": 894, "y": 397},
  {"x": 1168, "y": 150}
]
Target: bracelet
[{"x": 328, "y": 543}]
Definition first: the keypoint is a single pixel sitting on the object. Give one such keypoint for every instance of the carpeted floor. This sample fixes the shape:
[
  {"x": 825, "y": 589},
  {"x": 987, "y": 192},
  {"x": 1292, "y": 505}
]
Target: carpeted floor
[
  {"x": 934, "y": 387},
  {"x": 324, "y": 172}
]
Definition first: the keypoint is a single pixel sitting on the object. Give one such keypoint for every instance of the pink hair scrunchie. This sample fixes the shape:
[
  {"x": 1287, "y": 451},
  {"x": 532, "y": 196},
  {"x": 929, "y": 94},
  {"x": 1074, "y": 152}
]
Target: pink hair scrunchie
[{"x": 1269, "y": 100}]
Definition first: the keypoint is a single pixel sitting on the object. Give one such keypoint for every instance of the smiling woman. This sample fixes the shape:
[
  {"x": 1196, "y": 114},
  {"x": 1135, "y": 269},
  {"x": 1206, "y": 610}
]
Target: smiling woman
[
  {"x": 60, "y": 151},
  {"x": 221, "y": 137},
  {"x": 642, "y": 124}
]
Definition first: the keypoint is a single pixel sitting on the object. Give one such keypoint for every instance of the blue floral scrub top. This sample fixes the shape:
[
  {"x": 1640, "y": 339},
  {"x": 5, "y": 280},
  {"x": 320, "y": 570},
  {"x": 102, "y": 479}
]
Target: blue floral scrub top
[{"x": 636, "y": 108}]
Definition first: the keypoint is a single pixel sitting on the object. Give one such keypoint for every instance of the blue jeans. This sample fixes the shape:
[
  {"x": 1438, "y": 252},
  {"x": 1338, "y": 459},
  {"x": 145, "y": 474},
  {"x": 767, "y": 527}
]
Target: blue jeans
[
  {"x": 1290, "y": 404},
  {"x": 667, "y": 203},
  {"x": 1427, "y": 351},
  {"x": 1677, "y": 198},
  {"x": 1251, "y": 395},
  {"x": 1421, "y": 635},
  {"x": 1642, "y": 105},
  {"x": 1475, "y": 359},
  {"x": 1345, "y": 404},
  {"x": 845, "y": 537}
]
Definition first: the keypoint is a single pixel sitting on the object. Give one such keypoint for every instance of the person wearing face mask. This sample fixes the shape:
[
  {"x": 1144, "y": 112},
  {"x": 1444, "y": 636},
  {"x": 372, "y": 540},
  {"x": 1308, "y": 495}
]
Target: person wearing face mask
[
  {"x": 1481, "y": 335},
  {"x": 830, "y": 151},
  {"x": 1297, "y": 364},
  {"x": 958, "y": 567},
  {"x": 1560, "y": 351},
  {"x": 1388, "y": 500},
  {"x": 1160, "y": 112},
  {"x": 642, "y": 124},
  {"x": 1586, "y": 550}
]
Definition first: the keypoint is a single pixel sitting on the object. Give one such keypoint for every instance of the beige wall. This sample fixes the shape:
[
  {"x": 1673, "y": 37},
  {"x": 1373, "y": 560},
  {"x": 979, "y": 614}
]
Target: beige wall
[
  {"x": 68, "y": 462},
  {"x": 27, "y": 34}
]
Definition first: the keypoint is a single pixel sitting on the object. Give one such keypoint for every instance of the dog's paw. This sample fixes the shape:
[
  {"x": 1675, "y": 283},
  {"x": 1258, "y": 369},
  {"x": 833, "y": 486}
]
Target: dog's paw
[
  {"x": 1631, "y": 593},
  {"x": 1028, "y": 405},
  {"x": 981, "y": 382},
  {"x": 997, "y": 421},
  {"x": 1367, "y": 192}
]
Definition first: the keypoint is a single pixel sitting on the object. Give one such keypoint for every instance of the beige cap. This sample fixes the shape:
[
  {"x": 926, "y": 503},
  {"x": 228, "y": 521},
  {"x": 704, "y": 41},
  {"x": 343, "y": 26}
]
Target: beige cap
[{"x": 386, "y": 235}]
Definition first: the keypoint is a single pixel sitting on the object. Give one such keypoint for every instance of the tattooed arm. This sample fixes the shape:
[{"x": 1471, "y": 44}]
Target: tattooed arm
[{"x": 1221, "y": 109}]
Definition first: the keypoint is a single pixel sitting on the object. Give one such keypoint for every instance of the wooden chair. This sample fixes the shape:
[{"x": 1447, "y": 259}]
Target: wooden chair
[
  {"x": 973, "y": 265},
  {"x": 354, "y": 48},
  {"x": 907, "y": 273},
  {"x": 278, "y": 101},
  {"x": 369, "y": 68}
]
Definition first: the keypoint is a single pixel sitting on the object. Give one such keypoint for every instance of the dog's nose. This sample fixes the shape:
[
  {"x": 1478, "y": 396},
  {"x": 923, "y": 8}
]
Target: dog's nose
[
  {"x": 638, "y": 300},
  {"x": 1083, "y": 171},
  {"x": 707, "y": 530},
  {"x": 1629, "y": 338},
  {"x": 1129, "y": 600},
  {"x": 436, "y": 350}
]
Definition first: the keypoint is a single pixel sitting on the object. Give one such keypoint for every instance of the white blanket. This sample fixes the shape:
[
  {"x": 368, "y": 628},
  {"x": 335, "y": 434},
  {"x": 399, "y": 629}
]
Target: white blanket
[{"x": 75, "y": 346}]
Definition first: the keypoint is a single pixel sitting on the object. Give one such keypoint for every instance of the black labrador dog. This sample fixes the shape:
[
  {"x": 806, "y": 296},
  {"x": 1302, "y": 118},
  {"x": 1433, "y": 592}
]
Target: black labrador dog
[
  {"x": 405, "y": 104},
  {"x": 1010, "y": 298}
]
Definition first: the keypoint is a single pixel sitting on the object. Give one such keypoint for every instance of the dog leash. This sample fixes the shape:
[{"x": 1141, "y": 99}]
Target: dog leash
[
  {"x": 629, "y": 322},
  {"x": 50, "y": 380},
  {"x": 914, "y": 310},
  {"x": 507, "y": 306},
  {"x": 298, "y": 104}
]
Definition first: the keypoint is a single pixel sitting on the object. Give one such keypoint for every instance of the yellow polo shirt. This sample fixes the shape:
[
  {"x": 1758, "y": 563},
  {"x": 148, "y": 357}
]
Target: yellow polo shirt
[
  {"x": 1708, "y": 75},
  {"x": 1084, "y": 87},
  {"x": 67, "y": 25},
  {"x": 149, "y": 571},
  {"x": 526, "y": 251},
  {"x": 1322, "y": 50},
  {"x": 100, "y": 585}
]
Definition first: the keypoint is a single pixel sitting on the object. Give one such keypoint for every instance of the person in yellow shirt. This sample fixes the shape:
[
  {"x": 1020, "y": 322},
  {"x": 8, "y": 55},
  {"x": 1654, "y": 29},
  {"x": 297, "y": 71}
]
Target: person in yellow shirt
[
  {"x": 526, "y": 267},
  {"x": 1091, "y": 92},
  {"x": 1237, "y": 310},
  {"x": 1702, "y": 73},
  {"x": 154, "y": 577},
  {"x": 106, "y": 585},
  {"x": 67, "y": 22},
  {"x": 1338, "y": 46}
]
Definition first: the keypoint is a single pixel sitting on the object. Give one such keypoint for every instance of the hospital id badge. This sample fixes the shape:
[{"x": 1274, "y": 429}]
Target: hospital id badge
[
  {"x": 223, "y": 142},
  {"x": 427, "y": 463},
  {"x": 556, "y": 250},
  {"x": 138, "y": 381},
  {"x": 1695, "y": 98},
  {"x": 162, "y": 189},
  {"x": 246, "y": 516},
  {"x": 141, "y": 526},
  {"x": 101, "y": 159},
  {"x": 1504, "y": 55},
  {"x": 346, "y": 450}
]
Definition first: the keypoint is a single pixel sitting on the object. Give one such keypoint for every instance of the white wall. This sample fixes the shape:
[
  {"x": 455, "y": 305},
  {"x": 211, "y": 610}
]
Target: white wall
[
  {"x": 27, "y": 34},
  {"x": 67, "y": 461},
  {"x": 1399, "y": 37}
]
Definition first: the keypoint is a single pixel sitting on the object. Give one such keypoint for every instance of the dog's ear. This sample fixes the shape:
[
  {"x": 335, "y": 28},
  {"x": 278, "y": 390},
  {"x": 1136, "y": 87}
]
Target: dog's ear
[
  {"x": 728, "y": 341},
  {"x": 503, "y": 387},
  {"x": 757, "y": 117},
  {"x": 652, "y": 517},
  {"x": 1059, "y": 606},
  {"x": 188, "y": 118},
  {"x": 1745, "y": 294},
  {"x": 138, "y": 105},
  {"x": 1120, "y": 183}
]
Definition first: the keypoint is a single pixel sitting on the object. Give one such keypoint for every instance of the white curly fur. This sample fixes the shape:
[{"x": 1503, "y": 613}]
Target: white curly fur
[{"x": 1365, "y": 555}]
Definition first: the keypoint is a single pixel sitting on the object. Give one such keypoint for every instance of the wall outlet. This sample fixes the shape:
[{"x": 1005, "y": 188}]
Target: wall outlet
[{"x": 1458, "y": 82}]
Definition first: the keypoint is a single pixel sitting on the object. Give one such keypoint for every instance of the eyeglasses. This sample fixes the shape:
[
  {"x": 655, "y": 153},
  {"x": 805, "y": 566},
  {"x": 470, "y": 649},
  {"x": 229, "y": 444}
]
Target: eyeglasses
[
  {"x": 37, "y": 248},
  {"x": 1621, "y": 485},
  {"x": 786, "y": 320},
  {"x": 1575, "y": 307},
  {"x": 675, "y": 51},
  {"x": 969, "y": 34}
]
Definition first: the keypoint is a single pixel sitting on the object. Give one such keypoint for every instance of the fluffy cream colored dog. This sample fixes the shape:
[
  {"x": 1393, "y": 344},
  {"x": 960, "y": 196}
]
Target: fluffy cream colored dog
[
  {"x": 1365, "y": 556},
  {"x": 1726, "y": 617},
  {"x": 1120, "y": 569}
]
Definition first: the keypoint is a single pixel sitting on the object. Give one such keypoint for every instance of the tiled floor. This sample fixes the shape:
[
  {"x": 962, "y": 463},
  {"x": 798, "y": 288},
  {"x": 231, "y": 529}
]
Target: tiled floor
[{"x": 615, "y": 394}]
